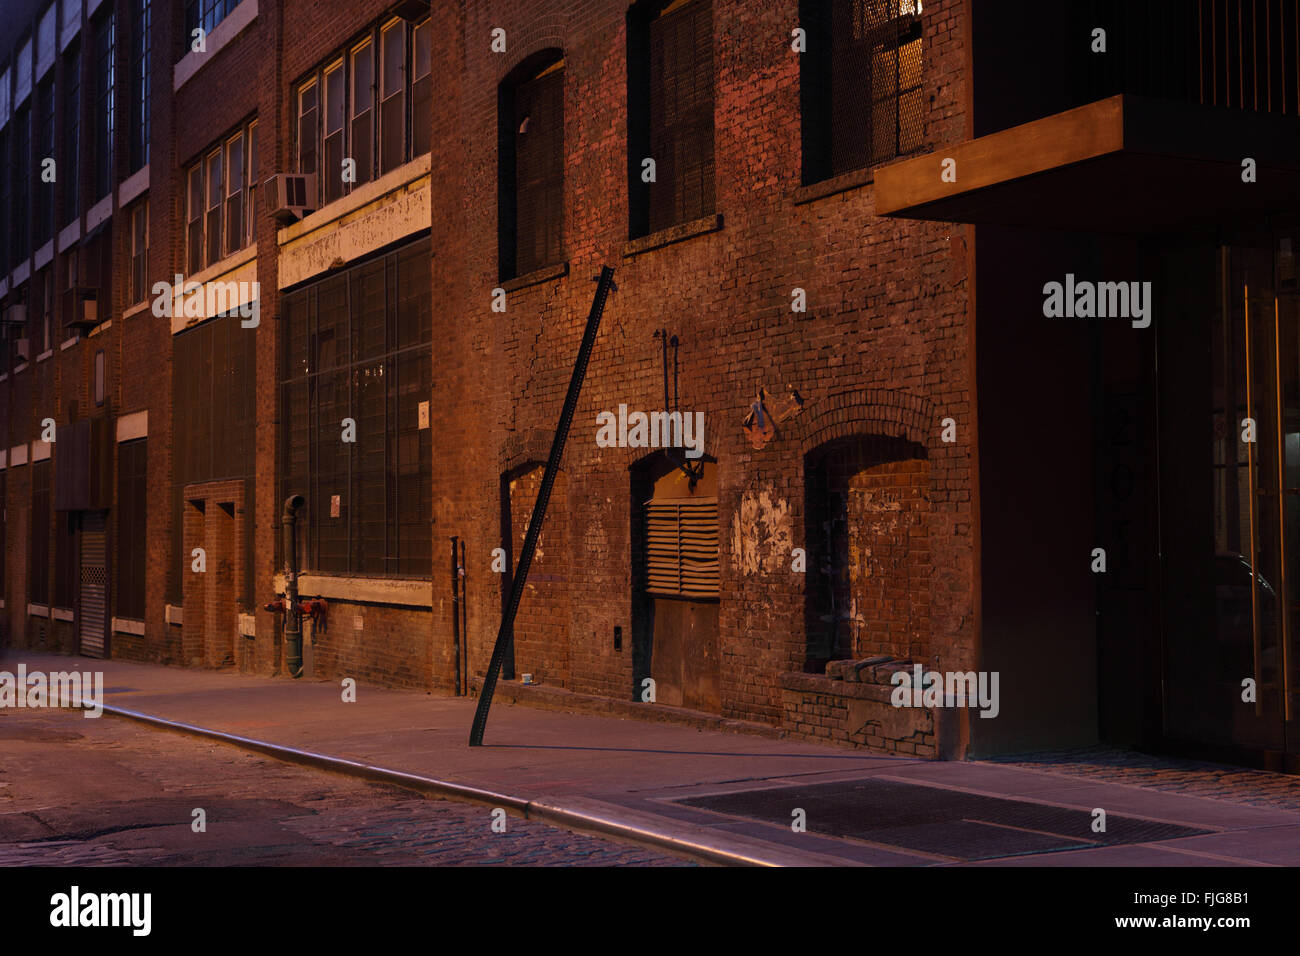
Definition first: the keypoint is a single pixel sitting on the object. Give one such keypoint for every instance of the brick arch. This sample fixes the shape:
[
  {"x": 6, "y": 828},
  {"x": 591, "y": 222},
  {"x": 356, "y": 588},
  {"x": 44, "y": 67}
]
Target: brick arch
[
  {"x": 524, "y": 447},
  {"x": 522, "y": 47},
  {"x": 869, "y": 411}
]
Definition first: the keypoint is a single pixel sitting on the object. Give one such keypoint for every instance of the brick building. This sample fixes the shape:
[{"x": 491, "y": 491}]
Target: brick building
[{"x": 385, "y": 218}]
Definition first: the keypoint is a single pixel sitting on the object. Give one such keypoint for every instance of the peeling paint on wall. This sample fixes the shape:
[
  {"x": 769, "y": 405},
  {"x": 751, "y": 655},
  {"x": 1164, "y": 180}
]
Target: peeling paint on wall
[{"x": 761, "y": 538}]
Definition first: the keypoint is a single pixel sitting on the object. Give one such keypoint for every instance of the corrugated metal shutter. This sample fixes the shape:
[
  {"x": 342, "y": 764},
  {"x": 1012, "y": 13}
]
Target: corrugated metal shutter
[
  {"x": 682, "y": 547},
  {"x": 94, "y": 584}
]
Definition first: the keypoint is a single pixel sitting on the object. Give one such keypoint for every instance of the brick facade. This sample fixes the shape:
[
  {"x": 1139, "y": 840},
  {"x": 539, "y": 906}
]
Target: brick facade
[{"x": 880, "y": 354}]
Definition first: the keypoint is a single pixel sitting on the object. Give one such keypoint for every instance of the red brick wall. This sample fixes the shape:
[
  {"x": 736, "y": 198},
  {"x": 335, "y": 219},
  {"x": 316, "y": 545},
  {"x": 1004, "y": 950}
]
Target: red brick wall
[
  {"x": 543, "y": 624},
  {"x": 881, "y": 349}
]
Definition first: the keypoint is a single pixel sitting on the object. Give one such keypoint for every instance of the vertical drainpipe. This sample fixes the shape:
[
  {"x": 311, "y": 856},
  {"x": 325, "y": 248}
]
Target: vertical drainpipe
[
  {"x": 455, "y": 615},
  {"x": 292, "y": 623}
]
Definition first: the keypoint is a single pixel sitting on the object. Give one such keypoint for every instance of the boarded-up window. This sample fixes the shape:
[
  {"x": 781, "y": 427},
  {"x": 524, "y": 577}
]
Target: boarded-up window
[
  {"x": 358, "y": 346},
  {"x": 131, "y": 528},
  {"x": 671, "y": 111},
  {"x": 39, "y": 574},
  {"x": 65, "y": 559},
  {"x": 213, "y": 394},
  {"x": 532, "y": 168},
  {"x": 681, "y": 538},
  {"x": 861, "y": 93}
]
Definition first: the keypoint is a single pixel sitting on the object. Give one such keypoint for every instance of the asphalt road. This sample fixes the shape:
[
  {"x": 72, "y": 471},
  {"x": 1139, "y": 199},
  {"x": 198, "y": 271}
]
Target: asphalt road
[{"x": 109, "y": 792}]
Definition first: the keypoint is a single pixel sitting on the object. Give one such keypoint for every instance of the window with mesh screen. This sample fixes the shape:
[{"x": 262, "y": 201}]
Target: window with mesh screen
[
  {"x": 670, "y": 104},
  {"x": 358, "y": 346},
  {"x": 532, "y": 167},
  {"x": 861, "y": 90}
]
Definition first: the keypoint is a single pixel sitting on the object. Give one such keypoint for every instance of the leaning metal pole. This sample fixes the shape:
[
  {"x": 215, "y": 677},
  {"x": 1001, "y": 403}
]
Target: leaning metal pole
[{"x": 605, "y": 283}]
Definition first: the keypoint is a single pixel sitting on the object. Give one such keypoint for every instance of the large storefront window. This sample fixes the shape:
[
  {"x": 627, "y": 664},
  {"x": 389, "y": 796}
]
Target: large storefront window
[{"x": 355, "y": 392}]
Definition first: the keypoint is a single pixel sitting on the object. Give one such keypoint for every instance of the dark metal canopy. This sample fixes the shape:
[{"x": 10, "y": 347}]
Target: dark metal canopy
[{"x": 1120, "y": 165}]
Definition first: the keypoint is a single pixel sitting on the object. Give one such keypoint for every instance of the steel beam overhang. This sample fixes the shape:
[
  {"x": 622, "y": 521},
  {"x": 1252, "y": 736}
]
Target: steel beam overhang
[{"x": 1125, "y": 164}]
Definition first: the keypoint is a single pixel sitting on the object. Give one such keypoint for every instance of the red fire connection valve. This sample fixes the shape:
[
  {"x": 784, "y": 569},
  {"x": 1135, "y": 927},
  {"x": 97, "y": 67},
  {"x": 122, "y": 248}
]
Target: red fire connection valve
[{"x": 313, "y": 608}]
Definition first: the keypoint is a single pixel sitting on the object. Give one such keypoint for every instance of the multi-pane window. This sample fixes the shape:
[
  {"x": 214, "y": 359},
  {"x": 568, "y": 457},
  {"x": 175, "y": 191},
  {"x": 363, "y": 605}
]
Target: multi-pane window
[
  {"x": 42, "y": 313},
  {"x": 205, "y": 15},
  {"x": 20, "y": 208},
  {"x": 38, "y": 574},
  {"x": 531, "y": 196},
  {"x": 358, "y": 346},
  {"x": 361, "y": 113},
  {"x": 141, "y": 18},
  {"x": 670, "y": 105},
  {"x": 140, "y": 252},
  {"x": 132, "y": 524},
  {"x": 4, "y": 201},
  {"x": 366, "y": 110},
  {"x": 861, "y": 84},
  {"x": 70, "y": 165},
  {"x": 219, "y": 209},
  {"x": 392, "y": 95},
  {"x": 421, "y": 88},
  {"x": 104, "y": 104},
  {"x": 43, "y": 224}
]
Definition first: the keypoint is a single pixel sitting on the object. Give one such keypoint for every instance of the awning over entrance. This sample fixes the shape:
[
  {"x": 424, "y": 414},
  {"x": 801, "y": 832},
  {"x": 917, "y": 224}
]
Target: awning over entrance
[{"x": 1121, "y": 165}]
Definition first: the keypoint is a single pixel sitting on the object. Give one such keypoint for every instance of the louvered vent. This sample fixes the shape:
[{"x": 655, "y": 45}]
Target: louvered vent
[{"x": 682, "y": 547}]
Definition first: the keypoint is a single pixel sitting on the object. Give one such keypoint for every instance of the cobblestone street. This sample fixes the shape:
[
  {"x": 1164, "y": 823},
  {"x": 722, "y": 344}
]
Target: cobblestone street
[
  {"x": 1193, "y": 778},
  {"x": 108, "y": 792}
]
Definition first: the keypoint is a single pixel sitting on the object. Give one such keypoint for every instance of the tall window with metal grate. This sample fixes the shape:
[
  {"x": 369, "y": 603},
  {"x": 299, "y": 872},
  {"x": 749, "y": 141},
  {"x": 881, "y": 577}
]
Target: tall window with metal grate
[
  {"x": 670, "y": 113},
  {"x": 531, "y": 155},
  {"x": 860, "y": 84},
  {"x": 355, "y": 390}
]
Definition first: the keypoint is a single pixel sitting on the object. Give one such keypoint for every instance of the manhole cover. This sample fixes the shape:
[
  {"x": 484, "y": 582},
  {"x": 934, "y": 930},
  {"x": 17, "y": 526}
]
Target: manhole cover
[{"x": 949, "y": 823}]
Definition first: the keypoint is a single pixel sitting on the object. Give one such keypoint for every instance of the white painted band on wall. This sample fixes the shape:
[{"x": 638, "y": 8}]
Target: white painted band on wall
[
  {"x": 18, "y": 455},
  {"x": 62, "y": 613},
  {"x": 38, "y": 610},
  {"x": 40, "y": 450},
  {"x": 175, "y": 614},
  {"x": 128, "y": 625}
]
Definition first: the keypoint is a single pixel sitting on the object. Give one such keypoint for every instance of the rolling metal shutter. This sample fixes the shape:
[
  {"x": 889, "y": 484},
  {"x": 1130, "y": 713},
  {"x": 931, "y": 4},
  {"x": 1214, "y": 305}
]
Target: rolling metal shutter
[
  {"x": 94, "y": 584},
  {"x": 682, "y": 547}
]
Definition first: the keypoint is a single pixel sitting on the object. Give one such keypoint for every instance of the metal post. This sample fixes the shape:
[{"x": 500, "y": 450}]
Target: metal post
[
  {"x": 292, "y": 623},
  {"x": 605, "y": 283}
]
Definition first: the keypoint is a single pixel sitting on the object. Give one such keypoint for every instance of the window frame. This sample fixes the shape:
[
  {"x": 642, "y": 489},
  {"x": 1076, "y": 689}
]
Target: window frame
[
  {"x": 211, "y": 219},
  {"x": 138, "y": 249},
  {"x": 377, "y": 156},
  {"x": 652, "y": 88}
]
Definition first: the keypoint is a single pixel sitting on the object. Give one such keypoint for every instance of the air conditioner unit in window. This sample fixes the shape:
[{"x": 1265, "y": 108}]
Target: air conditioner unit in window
[
  {"x": 14, "y": 316},
  {"x": 22, "y": 350},
  {"x": 82, "y": 308},
  {"x": 291, "y": 195}
]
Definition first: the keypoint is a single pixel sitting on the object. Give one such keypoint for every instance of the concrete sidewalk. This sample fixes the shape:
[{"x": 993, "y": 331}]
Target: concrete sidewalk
[{"x": 627, "y": 777}]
